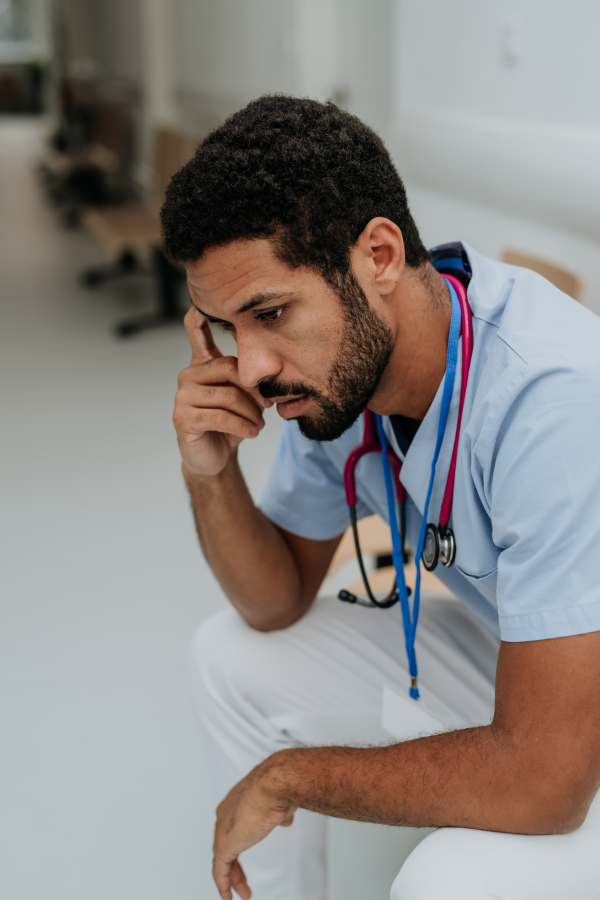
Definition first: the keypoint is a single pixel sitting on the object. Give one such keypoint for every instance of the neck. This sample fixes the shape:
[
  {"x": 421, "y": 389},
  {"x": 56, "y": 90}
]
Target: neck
[{"x": 420, "y": 310}]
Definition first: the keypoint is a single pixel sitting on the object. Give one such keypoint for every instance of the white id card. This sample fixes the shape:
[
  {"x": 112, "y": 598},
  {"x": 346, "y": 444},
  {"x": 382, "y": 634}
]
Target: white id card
[{"x": 404, "y": 718}]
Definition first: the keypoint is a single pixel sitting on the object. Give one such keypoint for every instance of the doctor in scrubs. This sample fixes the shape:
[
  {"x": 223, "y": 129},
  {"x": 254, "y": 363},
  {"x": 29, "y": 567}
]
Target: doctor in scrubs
[{"x": 295, "y": 231}]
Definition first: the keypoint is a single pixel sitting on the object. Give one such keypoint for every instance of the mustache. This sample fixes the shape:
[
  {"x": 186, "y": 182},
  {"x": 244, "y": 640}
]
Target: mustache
[{"x": 274, "y": 388}]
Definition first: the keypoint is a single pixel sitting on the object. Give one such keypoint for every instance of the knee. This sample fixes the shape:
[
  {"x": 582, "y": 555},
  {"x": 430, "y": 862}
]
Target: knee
[
  {"x": 442, "y": 865},
  {"x": 219, "y": 646},
  {"x": 230, "y": 658},
  {"x": 414, "y": 879}
]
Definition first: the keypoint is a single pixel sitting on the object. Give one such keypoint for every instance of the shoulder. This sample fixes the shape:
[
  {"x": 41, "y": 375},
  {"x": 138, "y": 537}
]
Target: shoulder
[
  {"x": 538, "y": 347},
  {"x": 536, "y": 321}
]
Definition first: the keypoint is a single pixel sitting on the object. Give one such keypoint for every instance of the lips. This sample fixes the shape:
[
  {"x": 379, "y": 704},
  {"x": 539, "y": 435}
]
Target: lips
[{"x": 287, "y": 409}]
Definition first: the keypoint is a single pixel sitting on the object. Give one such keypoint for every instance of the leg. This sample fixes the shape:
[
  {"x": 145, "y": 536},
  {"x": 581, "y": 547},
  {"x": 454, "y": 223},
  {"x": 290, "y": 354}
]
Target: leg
[
  {"x": 320, "y": 682},
  {"x": 257, "y": 693},
  {"x": 460, "y": 864}
]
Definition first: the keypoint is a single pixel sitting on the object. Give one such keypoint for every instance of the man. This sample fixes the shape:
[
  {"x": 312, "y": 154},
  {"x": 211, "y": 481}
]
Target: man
[{"x": 297, "y": 238}]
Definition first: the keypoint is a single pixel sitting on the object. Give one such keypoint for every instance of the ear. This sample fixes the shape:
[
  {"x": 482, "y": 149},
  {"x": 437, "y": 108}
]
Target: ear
[{"x": 378, "y": 254}]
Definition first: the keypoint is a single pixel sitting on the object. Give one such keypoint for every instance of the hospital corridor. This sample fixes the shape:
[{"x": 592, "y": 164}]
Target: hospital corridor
[{"x": 105, "y": 783}]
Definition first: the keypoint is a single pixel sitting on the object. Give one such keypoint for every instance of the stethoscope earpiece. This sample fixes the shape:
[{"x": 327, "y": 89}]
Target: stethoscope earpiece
[{"x": 438, "y": 547}]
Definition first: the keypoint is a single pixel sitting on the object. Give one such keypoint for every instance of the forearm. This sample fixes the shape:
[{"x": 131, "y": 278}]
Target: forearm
[
  {"x": 248, "y": 554},
  {"x": 474, "y": 778}
]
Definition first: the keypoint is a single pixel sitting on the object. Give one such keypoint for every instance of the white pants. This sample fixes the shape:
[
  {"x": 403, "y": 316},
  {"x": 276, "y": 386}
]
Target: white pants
[{"x": 320, "y": 682}]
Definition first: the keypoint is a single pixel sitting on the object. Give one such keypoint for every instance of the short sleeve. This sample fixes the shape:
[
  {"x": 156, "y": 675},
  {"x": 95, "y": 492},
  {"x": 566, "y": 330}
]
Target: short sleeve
[
  {"x": 305, "y": 491},
  {"x": 545, "y": 511}
]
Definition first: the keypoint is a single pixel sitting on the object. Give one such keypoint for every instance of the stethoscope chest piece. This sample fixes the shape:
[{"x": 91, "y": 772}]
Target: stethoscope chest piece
[{"x": 438, "y": 547}]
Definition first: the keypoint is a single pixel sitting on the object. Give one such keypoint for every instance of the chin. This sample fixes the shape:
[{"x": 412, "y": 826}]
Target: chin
[{"x": 326, "y": 428}]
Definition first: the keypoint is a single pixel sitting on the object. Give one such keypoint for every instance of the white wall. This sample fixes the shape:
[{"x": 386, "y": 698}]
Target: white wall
[
  {"x": 158, "y": 52},
  {"x": 109, "y": 34},
  {"x": 229, "y": 52},
  {"x": 520, "y": 59},
  {"x": 497, "y": 102},
  {"x": 368, "y": 60},
  {"x": 443, "y": 217},
  {"x": 119, "y": 25}
]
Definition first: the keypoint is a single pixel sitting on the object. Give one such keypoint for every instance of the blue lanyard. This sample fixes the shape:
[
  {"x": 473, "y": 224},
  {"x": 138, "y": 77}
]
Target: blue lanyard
[{"x": 409, "y": 620}]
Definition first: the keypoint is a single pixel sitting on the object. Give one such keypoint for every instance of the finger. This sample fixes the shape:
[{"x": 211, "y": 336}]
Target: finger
[
  {"x": 221, "y": 877},
  {"x": 221, "y": 370},
  {"x": 237, "y": 879},
  {"x": 289, "y": 820},
  {"x": 222, "y": 883},
  {"x": 213, "y": 396},
  {"x": 200, "y": 335},
  {"x": 223, "y": 421}
]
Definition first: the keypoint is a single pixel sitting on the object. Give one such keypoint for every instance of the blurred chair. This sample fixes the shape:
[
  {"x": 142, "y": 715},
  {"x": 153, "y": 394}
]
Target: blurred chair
[
  {"x": 375, "y": 539},
  {"x": 561, "y": 278},
  {"x": 125, "y": 232},
  {"x": 93, "y": 156}
]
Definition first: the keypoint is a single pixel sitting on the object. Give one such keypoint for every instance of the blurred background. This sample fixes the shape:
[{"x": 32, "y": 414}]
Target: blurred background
[{"x": 491, "y": 113}]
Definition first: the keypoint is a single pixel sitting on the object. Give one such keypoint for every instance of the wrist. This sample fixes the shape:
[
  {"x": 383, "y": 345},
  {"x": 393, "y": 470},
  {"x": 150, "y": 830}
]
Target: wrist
[
  {"x": 195, "y": 480},
  {"x": 278, "y": 777}
]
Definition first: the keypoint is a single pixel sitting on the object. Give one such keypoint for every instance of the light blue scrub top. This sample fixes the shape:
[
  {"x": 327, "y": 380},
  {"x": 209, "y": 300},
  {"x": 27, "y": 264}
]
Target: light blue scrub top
[{"x": 526, "y": 511}]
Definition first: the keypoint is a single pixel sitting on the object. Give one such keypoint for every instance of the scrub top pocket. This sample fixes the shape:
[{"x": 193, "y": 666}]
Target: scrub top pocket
[{"x": 485, "y": 584}]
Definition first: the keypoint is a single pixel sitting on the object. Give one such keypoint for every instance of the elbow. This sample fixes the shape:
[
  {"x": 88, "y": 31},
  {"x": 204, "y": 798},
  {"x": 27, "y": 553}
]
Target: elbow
[
  {"x": 264, "y": 626},
  {"x": 569, "y": 815},
  {"x": 561, "y": 819},
  {"x": 556, "y": 811},
  {"x": 547, "y": 792},
  {"x": 277, "y": 622}
]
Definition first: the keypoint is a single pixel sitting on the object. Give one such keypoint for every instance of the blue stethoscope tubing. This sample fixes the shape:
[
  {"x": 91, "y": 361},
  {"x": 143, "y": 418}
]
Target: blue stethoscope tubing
[{"x": 410, "y": 619}]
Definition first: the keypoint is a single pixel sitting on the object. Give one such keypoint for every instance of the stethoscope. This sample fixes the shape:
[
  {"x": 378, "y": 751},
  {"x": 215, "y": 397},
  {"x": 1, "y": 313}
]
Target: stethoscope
[{"x": 436, "y": 542}]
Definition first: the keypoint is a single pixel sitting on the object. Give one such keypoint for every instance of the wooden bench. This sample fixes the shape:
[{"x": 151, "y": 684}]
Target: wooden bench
[{"x": 127, "y": 231}]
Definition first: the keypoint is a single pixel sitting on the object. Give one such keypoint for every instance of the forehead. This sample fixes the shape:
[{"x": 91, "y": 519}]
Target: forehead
[
  {"x": 241, "y": 266},
  {"x": 227, "y": 277}
]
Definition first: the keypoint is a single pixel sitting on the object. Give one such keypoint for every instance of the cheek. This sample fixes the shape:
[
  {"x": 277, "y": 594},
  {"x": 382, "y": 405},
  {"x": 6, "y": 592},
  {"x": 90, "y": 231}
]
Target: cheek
[{"x": 311, "y": 357}]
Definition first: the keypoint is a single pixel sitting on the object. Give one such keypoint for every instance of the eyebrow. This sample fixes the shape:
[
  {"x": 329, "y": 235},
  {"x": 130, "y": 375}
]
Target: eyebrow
[
  {"x": 262, "y": 298},
  {"x": 252, "y": 303},
  {"x": 208, "y": 315}
]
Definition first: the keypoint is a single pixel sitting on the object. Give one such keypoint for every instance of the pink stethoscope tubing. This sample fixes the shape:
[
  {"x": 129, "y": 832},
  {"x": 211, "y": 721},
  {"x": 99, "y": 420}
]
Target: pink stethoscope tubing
[
  {"x": 467, "y": 353},
  {"x": 372, "y": 444}
]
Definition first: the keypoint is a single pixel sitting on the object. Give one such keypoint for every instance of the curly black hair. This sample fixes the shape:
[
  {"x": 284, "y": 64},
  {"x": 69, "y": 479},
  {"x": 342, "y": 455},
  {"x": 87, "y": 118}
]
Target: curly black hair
[{"x": 308, "y": 175}]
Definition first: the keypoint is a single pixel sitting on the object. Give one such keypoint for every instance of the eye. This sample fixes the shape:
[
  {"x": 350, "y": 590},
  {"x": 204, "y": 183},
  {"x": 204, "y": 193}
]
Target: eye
[
  {"x": 224, "y": 326},
  {"x": 271, "y": 315}
]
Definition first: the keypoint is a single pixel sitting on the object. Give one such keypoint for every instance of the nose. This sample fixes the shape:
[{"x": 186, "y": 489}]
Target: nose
[{"x": 256, "y": 361}]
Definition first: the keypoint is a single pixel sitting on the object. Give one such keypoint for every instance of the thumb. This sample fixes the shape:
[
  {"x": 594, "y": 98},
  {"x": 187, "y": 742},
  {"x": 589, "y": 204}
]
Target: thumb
[{"x": 289, "y": 818}]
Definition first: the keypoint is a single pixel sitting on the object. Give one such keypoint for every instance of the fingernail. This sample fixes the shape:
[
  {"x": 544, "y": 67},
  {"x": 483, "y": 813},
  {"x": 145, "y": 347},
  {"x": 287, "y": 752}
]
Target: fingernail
[{"x": 253, "y": 431}]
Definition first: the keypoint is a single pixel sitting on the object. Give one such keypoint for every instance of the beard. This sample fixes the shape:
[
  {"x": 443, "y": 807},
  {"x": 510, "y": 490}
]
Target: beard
[{"x": 364, "y": 350}]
